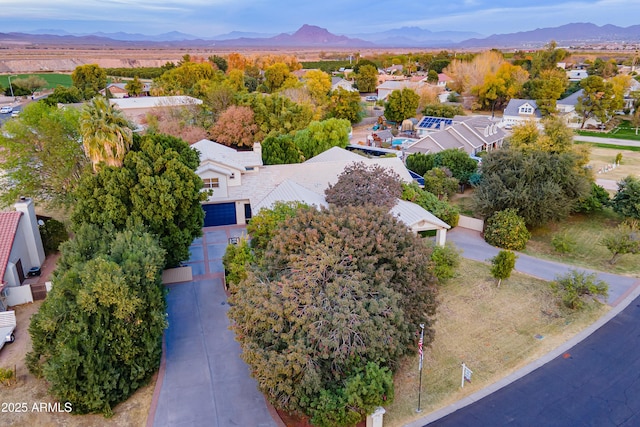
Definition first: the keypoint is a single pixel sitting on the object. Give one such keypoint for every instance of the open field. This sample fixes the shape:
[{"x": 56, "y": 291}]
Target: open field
[
  {"x": 53, "y": 79},
  {"x": 495, "y": 331},
  {"x": 30, "y": 390},
  {"x": 602, "y": 156}
]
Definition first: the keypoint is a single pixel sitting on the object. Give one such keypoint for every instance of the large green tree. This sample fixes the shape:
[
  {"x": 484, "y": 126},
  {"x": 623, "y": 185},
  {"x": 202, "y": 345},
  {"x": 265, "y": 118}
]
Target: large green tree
[
  {"x": 333, "y": 304},
  {"x": 319, "y": 136},
  {"x": 276, "y": 114},
  {"x": 367, "y": 78},
  {"x": 627, "y": 200},
  {"x": 41, "y": 155},
  {"x": 597, "y": 100},
  {"x": 106, "y": 133},
  {"x": 401, "y": 104},
  {"x": 98, "y": 336},
  {"x": 457, "y": 161},
  {"x": 541, "y": 186},
  {"x": 156, "y": 186},
  {"x": 360, "y": 185},
  {"x": 280, "y": 150},
  {"x": 89, "y": 79}
]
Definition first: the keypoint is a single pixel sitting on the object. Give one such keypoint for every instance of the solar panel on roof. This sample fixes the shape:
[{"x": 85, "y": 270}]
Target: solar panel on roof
[{"x": 434, "y": 122}]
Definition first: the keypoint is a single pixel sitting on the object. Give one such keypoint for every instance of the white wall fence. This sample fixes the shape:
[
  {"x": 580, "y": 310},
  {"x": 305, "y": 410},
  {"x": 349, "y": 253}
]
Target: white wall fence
[{"x": 471, "y": 223}]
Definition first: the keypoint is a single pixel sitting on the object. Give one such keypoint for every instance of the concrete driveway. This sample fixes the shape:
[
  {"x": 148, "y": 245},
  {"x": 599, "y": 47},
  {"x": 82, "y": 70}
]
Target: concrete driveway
[{"x": 203, "y": 380}]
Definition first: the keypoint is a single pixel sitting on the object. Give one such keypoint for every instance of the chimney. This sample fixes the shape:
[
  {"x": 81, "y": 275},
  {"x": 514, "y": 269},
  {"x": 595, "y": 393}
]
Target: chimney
[
  {"x": 31, "y": 231},
  {"x": 257, "y": 148}
]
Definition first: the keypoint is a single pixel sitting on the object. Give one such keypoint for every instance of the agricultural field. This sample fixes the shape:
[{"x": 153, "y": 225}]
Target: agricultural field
[{"x": 53, "y": 79}]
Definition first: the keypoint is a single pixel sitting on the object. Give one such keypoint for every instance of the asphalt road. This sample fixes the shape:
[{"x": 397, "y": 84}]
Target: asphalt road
[
  {"x": 613, "y": 141},
  {"x": 595, "y": 383}
]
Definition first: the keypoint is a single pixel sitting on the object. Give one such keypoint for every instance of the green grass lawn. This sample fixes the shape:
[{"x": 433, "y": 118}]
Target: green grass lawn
[
  {"x": 53, "y": 79},
  {"x": 623, "y": 131},
  {"x": 587, "y": 231},
  {"x": 495, "y": 331}
]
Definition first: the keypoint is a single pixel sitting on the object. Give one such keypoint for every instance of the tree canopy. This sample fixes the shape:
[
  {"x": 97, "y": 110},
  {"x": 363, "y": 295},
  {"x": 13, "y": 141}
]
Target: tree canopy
[
  {"x": 89, "y": 79},
  {"x": 319, "y": 136},
  {"x": 157, "y": 186},
  {"x": 42, "y": 156},
  {"x": 235, "y": 127},
  {"x": 335, "y": 301},
  {"x": 360, "y": 185},
  {"x": 627, "y": 200},
  {"x": 344, "y": 104},
  {"x": 401, "y": 104},
  {"x": 597, "y": 100},
  {"x": 97, "y": 337},
  {"x": 367, "y": 78}
]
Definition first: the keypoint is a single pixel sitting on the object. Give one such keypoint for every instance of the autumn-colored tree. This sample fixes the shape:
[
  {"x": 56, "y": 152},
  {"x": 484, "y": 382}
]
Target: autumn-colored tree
[
  {"x": 218, "y": 97},
  {"x": 547, "y": 89},
  {"x": 182, "y": 80},
  {"x": 235, "y": 127},
  {"x": 344, "y": 104},
  {"x": 278, "y": 76},
  {"x": 555, "y": 138},
  {"x": 334, "y": 302},
  {"x": 319, "y": 84},
  {"x": 276, "y": 114},
  {"x": 235, "y": 79},
  {"x": 236, "y": 61},
  {"x": 188, "y": 123},
  {"x": 469, "y": 74},
  {"x": 360, "y": 185},
  {"x": 499, "y": 87}
]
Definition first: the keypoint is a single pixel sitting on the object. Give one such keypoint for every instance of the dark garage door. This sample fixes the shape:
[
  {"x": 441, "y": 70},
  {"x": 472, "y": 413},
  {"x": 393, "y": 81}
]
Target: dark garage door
[{"x": 219, "y": 214}]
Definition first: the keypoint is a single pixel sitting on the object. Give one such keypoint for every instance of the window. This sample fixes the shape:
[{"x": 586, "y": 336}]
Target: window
[
  {"x": 526, "y": 110},
  {"x": 211, "y": 182}
]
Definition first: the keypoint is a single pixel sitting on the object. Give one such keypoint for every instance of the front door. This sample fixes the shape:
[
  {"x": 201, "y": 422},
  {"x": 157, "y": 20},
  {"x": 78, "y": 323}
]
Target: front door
[{"x": 20, "y": 271}]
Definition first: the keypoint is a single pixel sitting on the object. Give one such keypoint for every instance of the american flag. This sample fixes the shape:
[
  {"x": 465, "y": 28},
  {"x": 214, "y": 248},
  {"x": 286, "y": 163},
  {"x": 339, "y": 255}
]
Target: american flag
[{"x": 420, "y": 349}]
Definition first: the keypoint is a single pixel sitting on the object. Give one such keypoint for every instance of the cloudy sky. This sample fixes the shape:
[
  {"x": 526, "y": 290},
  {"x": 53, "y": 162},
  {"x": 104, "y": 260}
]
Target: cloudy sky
[{"x": 206, "y": 18}]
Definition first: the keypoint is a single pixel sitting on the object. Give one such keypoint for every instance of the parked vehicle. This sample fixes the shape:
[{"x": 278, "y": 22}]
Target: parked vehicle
[
  {"x": 6, "y": 109},
  {"x": 15, "y": 113},
  {"x": 7, "y": 326},
  {"x": 371, "y": 98}
]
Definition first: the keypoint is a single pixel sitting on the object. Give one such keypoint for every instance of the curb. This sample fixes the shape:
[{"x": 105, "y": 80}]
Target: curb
[{"x": 621, "y": 304}]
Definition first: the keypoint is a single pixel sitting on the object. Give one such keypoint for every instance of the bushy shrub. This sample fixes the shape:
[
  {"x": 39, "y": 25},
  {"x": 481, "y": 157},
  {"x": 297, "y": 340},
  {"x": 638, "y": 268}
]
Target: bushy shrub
[
  {"x": 236, "y": 260},
  {"x": 502, "y": 265},
  {"x": 444, "y": 261},
  {"x": 53, "y": 233},
  {"x": 440, "y": 208},
  {"x": 563, "y": 243},
  {"x": 597, "y": 199},
  {"x": 573, "y": 287},
  {"x": 506, "y": 229}
]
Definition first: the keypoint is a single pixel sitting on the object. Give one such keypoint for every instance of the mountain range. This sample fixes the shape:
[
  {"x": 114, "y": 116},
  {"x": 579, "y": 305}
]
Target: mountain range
[{"x": 313, "y": 36}]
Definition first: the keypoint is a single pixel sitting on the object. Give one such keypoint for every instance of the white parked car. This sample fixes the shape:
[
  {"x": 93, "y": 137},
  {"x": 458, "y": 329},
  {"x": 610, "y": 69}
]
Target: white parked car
[
  {"x": 6, "y": 109},
  {"x": 15, "y": 113}
]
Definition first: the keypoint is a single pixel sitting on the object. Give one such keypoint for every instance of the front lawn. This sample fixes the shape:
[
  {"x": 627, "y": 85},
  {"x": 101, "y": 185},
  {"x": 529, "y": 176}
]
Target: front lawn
[
  {"x": 605, "y": 156},
  {"x": 495, "y": 331},
  {"x": 587, "y": 231},
  {"x": 622, "y": 131}
]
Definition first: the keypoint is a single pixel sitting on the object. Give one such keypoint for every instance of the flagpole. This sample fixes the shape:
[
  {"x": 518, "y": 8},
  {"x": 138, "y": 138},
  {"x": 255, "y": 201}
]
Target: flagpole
[{"x": 420, "y": 364}]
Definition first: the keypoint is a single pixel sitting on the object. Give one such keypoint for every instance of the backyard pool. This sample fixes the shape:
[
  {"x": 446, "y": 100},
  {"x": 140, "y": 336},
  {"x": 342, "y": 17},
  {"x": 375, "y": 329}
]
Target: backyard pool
[{"x": 401, "y": 141}]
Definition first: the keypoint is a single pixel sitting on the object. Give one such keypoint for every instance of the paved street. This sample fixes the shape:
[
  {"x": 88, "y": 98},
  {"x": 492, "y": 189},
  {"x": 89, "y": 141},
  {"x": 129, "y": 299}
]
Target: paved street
[
  {"x": 591, "y": 380},
  {"x": 205, "y": 382}
]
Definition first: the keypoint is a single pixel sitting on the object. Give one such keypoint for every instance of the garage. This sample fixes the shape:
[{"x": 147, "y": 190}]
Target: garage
[{"x": 219, "y": 214}]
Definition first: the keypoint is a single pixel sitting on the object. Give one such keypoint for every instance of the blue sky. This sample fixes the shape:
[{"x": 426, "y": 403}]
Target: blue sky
[{"x": 212, "y": 17}]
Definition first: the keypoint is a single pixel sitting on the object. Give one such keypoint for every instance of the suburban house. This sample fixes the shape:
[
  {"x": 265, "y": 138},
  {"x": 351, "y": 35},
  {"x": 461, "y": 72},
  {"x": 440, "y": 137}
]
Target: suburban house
[
  {"x": 443, "y": 80},
  {"x": 254, "y": 186},
  {"x": 519, "y": 111},
  {"x": 339, "y": 82},
  {"x": 577, "y": 75},
  {"x": 20, "y": 245},
  {"x": 567, "y": 110},
  {"x": 119, "y": 90},
  {"x": 471, "y": 134},
  {"x": 429, "y": 124},
  {"x": 136, "y": 109},
  {"x": 385, "y": 89}
]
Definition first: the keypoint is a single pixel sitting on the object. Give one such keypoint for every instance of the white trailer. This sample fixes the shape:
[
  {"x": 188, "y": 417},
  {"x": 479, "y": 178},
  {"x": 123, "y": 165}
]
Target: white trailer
[{"x": 7, "y": 326}]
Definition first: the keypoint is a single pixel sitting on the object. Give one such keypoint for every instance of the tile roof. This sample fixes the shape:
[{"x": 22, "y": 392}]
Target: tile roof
[{"x": 8, "y": 227}]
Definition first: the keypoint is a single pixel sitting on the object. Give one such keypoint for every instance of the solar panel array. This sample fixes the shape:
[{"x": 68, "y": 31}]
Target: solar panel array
[{"x": 434, "y": 122}]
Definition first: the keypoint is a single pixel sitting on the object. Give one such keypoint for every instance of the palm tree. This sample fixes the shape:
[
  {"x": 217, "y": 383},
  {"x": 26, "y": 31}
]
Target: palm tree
[{"x": 106, "y": 133}]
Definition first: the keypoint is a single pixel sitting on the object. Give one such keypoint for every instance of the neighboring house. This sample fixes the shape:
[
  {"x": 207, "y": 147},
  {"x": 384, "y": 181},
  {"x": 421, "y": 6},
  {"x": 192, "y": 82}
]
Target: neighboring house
[
  {"x": 394, "y": 69},
  {"x": 443, "y": 80},
  {"x": 429, "y": 124},
  {"x": 577, "y": 75},
  {"x": 519, "y": 111},
  {"x": 20, "y": 244},
  {"x": 471, "y": 134},
  {"x": 117, "y": 90},
  {"x": 337, "y": 82},
  {"x": 567, "y": 110},
  {"x": 628, "y": 99},
  {"x": 385, "y": 89},
  {"x": 258, "y": 187},
  {"x": 137, "y": 108},
  {"x": 379, "y": 137}
]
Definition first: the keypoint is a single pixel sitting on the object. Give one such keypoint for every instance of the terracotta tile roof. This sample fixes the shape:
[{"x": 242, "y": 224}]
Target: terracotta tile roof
[{"x": 8, "y": 227}]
